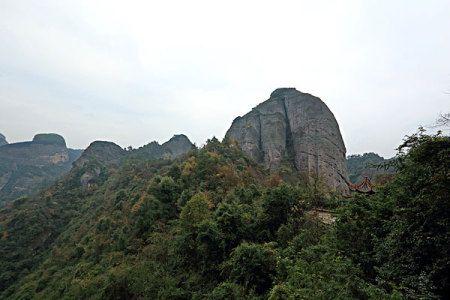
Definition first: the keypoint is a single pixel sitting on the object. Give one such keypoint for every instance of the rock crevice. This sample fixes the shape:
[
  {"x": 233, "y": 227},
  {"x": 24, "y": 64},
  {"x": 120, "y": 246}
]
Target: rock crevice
[{"x": 290, "y": 152}]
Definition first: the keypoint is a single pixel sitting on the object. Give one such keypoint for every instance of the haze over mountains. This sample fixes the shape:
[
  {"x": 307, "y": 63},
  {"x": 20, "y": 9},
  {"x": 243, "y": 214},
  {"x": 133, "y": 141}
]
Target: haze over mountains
[
  {"x": 290, "y": 130},
  {"x": 147, "y": 153},
  {"x": 269, "y": 212},
  {"x": 27, "y": 167}
]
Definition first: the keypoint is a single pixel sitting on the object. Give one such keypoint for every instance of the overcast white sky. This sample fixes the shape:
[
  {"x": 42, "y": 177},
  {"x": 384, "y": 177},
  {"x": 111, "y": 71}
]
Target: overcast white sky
[{"x": 136, "y": 71}]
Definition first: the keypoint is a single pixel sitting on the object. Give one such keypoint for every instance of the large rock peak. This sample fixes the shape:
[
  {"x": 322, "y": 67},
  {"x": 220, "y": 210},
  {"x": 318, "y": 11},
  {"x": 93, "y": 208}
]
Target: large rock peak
[
  {"x": 45, "y": 149},
  {"x": 29, "y": 166},
  {"x": 49, "y": 139},
  {"x": 2, "y": 140},
  {"x": 97, "y": 155},
  {"x": 283, "y": 92},
  {"x": 296, "y": 129},
  {"x": 178, "y": 145},
  {"x": 103, "y": 152}
]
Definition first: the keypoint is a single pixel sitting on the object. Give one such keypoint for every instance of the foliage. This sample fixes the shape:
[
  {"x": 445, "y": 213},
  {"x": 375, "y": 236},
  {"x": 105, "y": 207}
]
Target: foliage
[
  {"x": 368, "y": 164},
  {"x": 195, "y": 211},
  {"x": 211, "y": 225},
  {"x": 252, "y": 266},
  {"x": 400, "y": 235}
]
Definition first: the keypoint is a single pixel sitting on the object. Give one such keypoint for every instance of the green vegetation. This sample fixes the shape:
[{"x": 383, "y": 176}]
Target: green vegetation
[
  {"x": 214, "y": 225},
  {"x": 369, "y": 164},
  {"x": 28, "y": 167},
  {"x": 49, "y": 139}
]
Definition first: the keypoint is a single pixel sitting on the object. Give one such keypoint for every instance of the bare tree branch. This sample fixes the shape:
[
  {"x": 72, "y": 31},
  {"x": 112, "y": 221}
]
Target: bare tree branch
[{"x": 443, "y": 120}]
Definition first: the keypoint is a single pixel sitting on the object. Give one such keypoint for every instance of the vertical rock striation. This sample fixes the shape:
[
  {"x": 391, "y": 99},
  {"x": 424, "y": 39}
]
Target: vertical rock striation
[
  {"x": 296, "y": 129},
  {"x": 3, "y": 140}
]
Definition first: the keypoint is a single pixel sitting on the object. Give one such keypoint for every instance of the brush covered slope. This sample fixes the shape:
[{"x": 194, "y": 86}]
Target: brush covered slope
[{"x": 212, "y": 224}]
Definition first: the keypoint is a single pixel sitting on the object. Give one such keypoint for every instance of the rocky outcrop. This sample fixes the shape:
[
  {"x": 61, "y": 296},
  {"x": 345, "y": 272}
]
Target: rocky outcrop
[
  {"x": 2, "y": 140},
  {"x": 152, "y": 150},
  {"x": 101, "y": 156},
  {"x": 95, "y": 161},
  {"x": 178, "y": 145},
  {"x": 29, "y": 166},
  {"x": 105, "y": 153},
  {"x": 36, "y": 153},
  {"x": 294, "y": 129},
  {"x": 49, "y": 139}
]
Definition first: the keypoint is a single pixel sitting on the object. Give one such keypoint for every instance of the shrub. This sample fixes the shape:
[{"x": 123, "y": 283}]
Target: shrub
[{"x": 252, "y": 266}]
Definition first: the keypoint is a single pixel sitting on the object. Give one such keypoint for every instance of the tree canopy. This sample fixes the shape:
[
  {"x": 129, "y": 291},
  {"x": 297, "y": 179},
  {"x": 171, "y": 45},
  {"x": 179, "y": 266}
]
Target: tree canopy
[{"x": 211, "y": 225}]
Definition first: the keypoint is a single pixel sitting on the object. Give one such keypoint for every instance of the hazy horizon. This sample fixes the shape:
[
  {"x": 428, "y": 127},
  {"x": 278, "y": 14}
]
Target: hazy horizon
[{"x": 135, "y": 72}]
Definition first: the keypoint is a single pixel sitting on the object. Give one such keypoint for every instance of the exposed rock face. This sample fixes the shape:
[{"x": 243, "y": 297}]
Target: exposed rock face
[
  {"x": 28, "y": 166},
  {"x": 49, "y": 139},
  {"x": 37, "y": 153},
  {"x": 297, "y": 129},
  {"x": 106, "y": 153},
  {"x": 94, "y": 160},
  {"x": 2, "y": 140},
  {"x": 178, "y": 145}
]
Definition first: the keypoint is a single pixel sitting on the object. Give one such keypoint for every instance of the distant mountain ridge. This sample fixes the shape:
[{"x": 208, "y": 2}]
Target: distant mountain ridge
[
  {"x": 367, "y": 165},
  {"x": 26, "y": 167},
  {"x": 178, "y": 145},
  {"x": 291, "y": 129},
  {"x": 101, "y": 154}
]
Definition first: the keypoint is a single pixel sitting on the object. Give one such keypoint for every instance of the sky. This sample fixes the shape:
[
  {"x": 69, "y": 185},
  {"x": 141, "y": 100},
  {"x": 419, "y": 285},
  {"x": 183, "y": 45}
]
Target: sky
[{"x": 136, "y": 71}]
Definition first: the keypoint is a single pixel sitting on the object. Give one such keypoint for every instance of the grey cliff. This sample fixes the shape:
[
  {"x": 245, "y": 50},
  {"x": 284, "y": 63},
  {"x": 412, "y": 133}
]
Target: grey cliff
[{"x": 295, "y": 129}]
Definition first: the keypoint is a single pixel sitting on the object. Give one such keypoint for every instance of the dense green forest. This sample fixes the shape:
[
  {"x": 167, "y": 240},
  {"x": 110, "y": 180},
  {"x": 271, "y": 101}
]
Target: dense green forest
[{"x": 214, "y": 225}]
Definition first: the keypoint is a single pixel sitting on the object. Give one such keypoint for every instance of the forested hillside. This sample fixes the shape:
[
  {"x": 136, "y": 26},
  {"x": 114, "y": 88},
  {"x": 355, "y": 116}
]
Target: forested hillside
[
  {"x": 212, "y": 224},
  {"x": 371, "y": 165}
]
